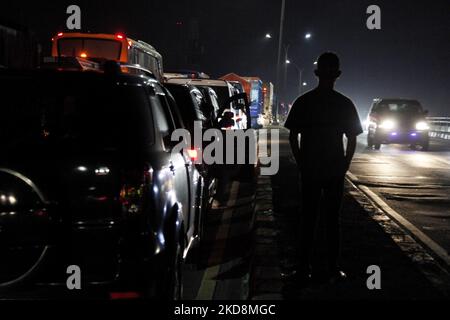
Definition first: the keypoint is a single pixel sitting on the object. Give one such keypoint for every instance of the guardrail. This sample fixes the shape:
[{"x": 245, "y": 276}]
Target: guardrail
[{"x": 439, "y": 127}]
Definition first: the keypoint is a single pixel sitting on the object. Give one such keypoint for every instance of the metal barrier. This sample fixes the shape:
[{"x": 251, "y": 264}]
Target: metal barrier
[{"x": 439, "y": 127}]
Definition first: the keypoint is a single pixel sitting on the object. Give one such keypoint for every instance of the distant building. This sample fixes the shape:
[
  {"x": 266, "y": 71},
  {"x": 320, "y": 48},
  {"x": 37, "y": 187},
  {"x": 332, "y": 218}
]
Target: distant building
[{"x": 18, "y": 47}]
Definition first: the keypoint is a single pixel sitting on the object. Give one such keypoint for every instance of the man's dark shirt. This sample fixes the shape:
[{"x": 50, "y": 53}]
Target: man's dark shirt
[{"x": 322, "y": 117}]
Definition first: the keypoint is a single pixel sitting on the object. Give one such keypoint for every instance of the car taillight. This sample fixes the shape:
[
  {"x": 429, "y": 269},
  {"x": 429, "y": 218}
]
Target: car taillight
[
  {"x": 124, "y": 295},
  {"x": 193, "y": 154},
  {"x": 134, "y": 184}
]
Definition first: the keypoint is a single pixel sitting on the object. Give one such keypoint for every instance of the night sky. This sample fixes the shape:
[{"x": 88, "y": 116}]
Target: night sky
[{"x": 409, "y": 57}]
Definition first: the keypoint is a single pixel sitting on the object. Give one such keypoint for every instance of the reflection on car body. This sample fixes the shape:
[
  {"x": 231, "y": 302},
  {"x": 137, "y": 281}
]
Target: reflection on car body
[{"x": 87, "y": 178}]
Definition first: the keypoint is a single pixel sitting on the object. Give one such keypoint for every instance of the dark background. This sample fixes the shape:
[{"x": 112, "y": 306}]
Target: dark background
[{"x": 409, "y": 57}]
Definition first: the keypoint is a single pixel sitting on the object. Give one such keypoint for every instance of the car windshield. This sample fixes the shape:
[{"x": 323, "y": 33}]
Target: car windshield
[
  {"x": 223, "y": 94},
  {"x": 89, "y": 48},
  {"x": 408, "y": 107},
  {"x": 185, "y": 103},
  {"x": 73, "y": 113}
]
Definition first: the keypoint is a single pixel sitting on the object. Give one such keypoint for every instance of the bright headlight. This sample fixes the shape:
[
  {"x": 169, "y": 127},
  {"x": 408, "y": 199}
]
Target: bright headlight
[
  {"x": 422, "y": 125},
  {"x": 387, "y": 124}
]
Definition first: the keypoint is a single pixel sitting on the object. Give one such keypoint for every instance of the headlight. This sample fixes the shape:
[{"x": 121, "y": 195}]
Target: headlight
[
  {"x": 388, "y": 124},
  {"x": 422, "y": 125}
]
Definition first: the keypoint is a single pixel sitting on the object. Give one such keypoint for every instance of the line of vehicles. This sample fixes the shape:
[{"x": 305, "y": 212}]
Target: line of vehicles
[{"x": 87, "y": 172}]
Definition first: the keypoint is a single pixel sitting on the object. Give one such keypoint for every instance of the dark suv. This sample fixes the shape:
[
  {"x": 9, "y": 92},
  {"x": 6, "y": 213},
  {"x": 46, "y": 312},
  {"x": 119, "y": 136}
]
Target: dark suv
[
  {"x": 399, "y": 121},
  {"x": 88, "y": 179}
]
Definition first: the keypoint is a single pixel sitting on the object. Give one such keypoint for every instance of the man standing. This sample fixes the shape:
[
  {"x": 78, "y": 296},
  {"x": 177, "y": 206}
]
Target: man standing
[{"x": 321, "y": 117}]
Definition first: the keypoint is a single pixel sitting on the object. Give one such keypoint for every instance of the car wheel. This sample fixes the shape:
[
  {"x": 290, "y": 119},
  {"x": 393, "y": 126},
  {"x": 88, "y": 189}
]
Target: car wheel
[
  {"x": 177, "y": 291},
  {"x": 170, "y": 285},
  {"x": 425, "y": 146},
  {"x": 175, "y": 274},
  {"x": 412, "y": 147},
  {"x": 377, "y": 146}
]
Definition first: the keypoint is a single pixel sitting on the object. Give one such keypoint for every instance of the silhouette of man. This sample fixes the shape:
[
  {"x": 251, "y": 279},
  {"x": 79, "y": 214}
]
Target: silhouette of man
[{"x": 322, "y": 116}]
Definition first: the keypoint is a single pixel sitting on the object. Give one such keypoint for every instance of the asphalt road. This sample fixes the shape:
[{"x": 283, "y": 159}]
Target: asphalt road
[{"x": 415, "y": 184}]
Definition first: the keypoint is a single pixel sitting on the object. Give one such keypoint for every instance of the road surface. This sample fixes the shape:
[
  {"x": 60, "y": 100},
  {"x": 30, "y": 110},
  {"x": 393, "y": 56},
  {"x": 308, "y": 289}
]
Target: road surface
[{"x": 415, "y": 184}]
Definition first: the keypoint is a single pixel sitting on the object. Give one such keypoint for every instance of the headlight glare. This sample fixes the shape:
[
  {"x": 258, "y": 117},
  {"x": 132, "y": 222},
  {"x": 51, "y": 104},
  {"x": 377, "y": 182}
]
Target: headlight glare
[
  {"x": 388, "y": 124},
  {"x": 422, "y": 125}
]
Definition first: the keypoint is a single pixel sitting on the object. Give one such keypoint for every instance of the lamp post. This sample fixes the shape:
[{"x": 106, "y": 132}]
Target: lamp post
[
  {"x": 280, "y": 43},
  {"x": 307, "y": 36},
  {"x": 300, "y": 75}
]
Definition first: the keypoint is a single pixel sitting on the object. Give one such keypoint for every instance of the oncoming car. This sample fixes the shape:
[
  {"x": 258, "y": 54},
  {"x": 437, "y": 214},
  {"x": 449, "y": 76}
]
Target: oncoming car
[{"x": 397, "y": 121}]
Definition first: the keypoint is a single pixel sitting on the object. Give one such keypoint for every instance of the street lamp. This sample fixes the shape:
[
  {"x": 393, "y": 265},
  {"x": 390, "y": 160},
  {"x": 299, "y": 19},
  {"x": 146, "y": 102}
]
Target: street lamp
[
  {"x": 280, "y": 44},
  {"x": 268, "y": 36},
  {"x": 306, "y": 36},
  {"x": 300, "y": 75}
]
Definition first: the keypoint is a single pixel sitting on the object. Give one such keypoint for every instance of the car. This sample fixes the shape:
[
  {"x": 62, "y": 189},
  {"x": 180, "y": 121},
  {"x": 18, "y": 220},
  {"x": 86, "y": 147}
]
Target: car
[
  {"x": 234, "y": 103},
  {"x": 88, "y": 179},
  {"x": 397, "y": 121},
  {"x": 225, "y": 92},
  {"x": 194, "y": 106},
  {"x": 240, "y": 113}
]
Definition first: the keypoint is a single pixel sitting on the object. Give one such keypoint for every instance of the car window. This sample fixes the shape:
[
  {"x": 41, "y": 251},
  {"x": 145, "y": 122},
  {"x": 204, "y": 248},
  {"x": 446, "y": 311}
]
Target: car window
[
  {"x": 77, "y": 113},
  {"x": 223, "y": 94},
  {"x": 406, "y": 107},
  {"x": 198, "y": 102},
  {"x": 172, "y": 106},
  {"x": 161, "y": 95},
  {"x": 185, "y": 103},
  {"x": 161, "y": 120}
]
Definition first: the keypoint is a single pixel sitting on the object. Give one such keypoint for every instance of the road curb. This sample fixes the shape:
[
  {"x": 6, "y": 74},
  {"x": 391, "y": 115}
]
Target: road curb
[
  {"x": 265, "y": 280},
  {"x": 433, "y": 264}
]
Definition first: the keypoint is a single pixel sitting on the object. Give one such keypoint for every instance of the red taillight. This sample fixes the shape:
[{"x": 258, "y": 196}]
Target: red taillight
[
  {"x": 124, "y": 295},
  {"x": 119, "y": 36},
  {"x": 193, "y": 154},
  {"x": 134, "y": 183},
  {"x": 60, "y": 34}
]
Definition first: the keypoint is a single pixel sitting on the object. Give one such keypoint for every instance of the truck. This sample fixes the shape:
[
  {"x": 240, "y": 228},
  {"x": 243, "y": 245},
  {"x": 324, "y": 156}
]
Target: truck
[{"x": 253, "y": 87}]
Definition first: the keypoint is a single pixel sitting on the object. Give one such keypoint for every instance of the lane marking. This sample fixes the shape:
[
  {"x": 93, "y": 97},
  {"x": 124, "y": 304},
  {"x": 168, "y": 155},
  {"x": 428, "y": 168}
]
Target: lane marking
[
  {"x": 208, "y": 284},
  {"x": 352, "y": 176},
  {"x": 417, "y": 233}
]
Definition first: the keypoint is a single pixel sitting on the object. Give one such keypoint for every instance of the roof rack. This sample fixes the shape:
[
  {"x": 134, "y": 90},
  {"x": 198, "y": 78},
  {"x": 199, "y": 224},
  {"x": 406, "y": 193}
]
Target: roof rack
[
  {"x": 70, "y": 63},
  {"x": 186, "y": 74},
  {"x": 136, "y": 69},
  {"x": 94, "y": 64}
]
